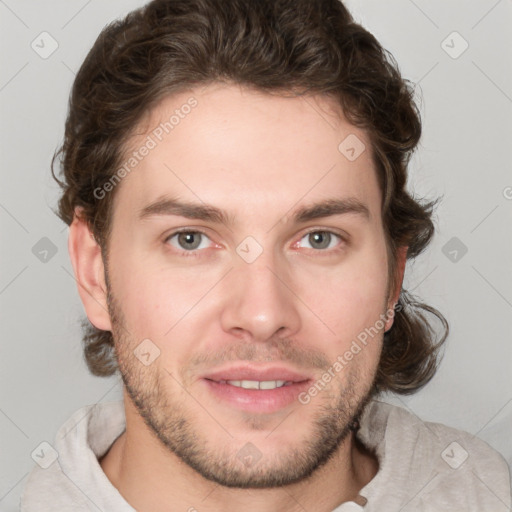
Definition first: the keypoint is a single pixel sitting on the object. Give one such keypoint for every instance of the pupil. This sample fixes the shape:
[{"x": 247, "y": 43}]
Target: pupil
[
  {"x": 320, "y": 238},
  {"x": 187, "y": 241}
]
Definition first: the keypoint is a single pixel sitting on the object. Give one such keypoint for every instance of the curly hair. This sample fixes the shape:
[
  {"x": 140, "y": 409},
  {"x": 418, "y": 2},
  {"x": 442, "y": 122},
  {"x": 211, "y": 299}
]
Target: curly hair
[{"x": 295, "y": 47}]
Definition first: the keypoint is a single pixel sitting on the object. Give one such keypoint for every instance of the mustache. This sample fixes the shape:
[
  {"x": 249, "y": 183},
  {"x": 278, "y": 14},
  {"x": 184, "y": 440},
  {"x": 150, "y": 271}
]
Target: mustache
[{"x": 277, "y": 350}]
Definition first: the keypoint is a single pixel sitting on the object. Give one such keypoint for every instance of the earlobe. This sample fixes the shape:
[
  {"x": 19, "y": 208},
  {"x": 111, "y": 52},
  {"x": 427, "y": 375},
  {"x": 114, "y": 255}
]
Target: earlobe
[
  {"x": 401, "y": 260},
  {"x": 87, "y": 261}
]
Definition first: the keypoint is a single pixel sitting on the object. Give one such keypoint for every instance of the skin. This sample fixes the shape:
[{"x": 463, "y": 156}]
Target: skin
[{"x": 299, "y": 304}]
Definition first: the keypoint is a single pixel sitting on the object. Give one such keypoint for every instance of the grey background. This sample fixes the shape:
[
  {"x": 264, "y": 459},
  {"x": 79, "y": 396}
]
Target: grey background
[{"x": 466, "y": 104}]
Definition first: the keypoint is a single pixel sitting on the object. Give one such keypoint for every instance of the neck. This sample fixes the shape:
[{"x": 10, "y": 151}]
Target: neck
[{"x": 150, "y": 477}]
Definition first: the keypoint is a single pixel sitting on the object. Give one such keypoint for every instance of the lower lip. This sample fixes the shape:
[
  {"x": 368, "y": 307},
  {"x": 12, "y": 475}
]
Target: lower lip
[{"x": 257, "y": 400}]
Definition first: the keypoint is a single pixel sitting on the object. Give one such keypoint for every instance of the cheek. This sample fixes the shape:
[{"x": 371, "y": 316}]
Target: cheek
[
  {"x": 349, "y": 298},
  {"x": 159, "y": 302}
]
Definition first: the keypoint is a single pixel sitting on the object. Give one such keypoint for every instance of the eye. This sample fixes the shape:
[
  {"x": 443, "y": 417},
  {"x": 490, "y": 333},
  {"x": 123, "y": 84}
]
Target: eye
[
  {"x": 321, "y": 239},
  {"x": 188, "y": 240}
]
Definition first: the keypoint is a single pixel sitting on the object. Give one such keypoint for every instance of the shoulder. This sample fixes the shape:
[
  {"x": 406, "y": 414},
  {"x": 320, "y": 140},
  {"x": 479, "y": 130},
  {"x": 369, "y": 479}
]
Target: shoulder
[
  {"x": 437, "y": 464},
  {"x": 49, "y": 489},
  {"x": 69, "y": 474}
]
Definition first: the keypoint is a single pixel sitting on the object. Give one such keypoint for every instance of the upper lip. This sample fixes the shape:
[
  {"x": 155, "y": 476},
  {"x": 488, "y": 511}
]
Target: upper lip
[{"x": 259, "y": 373}]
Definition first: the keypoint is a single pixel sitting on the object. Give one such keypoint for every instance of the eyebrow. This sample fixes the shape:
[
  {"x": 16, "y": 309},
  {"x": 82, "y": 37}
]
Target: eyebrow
[
  {"x": 169, "y": 206},
  {"x": 205, "y": 212},
  {"x": 331, "y": 207}
]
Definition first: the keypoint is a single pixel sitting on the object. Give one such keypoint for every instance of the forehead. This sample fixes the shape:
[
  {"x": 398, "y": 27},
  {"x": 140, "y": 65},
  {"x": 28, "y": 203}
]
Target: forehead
[{"x": 247, "y": 152}]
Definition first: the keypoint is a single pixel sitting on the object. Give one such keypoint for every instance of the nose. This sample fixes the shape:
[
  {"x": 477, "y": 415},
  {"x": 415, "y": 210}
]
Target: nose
[{"x": 260, "y": 303}]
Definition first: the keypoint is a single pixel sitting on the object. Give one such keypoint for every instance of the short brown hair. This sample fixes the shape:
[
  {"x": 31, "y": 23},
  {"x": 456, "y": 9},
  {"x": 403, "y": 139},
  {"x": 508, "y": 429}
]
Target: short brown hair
[{"x": 277, "y": 46}]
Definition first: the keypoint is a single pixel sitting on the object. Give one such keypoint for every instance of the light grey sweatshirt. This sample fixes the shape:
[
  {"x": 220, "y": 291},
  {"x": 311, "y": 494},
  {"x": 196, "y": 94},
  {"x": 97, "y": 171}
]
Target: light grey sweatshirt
[{"x": 423, "y": 467}]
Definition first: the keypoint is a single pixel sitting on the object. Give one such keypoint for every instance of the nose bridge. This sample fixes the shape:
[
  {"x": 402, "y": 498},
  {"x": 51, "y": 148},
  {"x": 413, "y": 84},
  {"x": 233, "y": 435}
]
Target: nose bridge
[{"x": 257, "y": 299}]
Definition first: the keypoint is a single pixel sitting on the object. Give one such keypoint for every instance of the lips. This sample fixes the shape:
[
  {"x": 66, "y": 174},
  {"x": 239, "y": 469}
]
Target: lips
[
  {"x": 255, "y": 384},
  {"x": 260, "y": 389},
  {"x": 259, "y": 374}
]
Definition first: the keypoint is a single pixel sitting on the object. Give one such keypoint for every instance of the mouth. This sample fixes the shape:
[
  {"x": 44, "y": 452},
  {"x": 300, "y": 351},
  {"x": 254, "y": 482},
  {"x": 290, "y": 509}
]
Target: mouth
[
  {"x": 257, "y": 384},
  {"x": 256, "y": 389}
]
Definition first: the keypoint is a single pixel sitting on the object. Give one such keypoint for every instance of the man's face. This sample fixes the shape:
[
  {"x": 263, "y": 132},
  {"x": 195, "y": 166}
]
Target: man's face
[{"x": 261, "y": 298}]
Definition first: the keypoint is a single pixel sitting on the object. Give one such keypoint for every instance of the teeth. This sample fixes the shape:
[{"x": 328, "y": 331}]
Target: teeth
[{"x": 256, "y": 384}]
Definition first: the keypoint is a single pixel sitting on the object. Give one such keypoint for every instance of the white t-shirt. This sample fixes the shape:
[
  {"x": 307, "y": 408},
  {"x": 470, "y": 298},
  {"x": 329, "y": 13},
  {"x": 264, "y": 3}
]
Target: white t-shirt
[{"x": 423, "y": 467}]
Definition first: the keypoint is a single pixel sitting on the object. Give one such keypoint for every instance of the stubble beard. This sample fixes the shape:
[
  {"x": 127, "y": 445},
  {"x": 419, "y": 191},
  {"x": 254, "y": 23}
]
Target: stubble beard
[{"x": 174, "y": 425}]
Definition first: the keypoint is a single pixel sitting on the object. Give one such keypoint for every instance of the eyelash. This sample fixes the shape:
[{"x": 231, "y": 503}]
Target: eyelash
[
  {"x": 196, "y": 252},
  {"x": 193, "y": 253}
]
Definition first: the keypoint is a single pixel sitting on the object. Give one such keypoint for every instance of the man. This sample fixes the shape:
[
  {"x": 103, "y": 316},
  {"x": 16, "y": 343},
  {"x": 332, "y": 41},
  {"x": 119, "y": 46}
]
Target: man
[{"x": 272, "y": 138}]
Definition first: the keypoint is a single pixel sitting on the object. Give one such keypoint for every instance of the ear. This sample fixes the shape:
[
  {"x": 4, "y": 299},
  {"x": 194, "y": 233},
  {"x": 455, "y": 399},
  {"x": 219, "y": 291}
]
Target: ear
[
  {"x": 401, "y": 260},
  {"x": 87, "y": 261}
]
